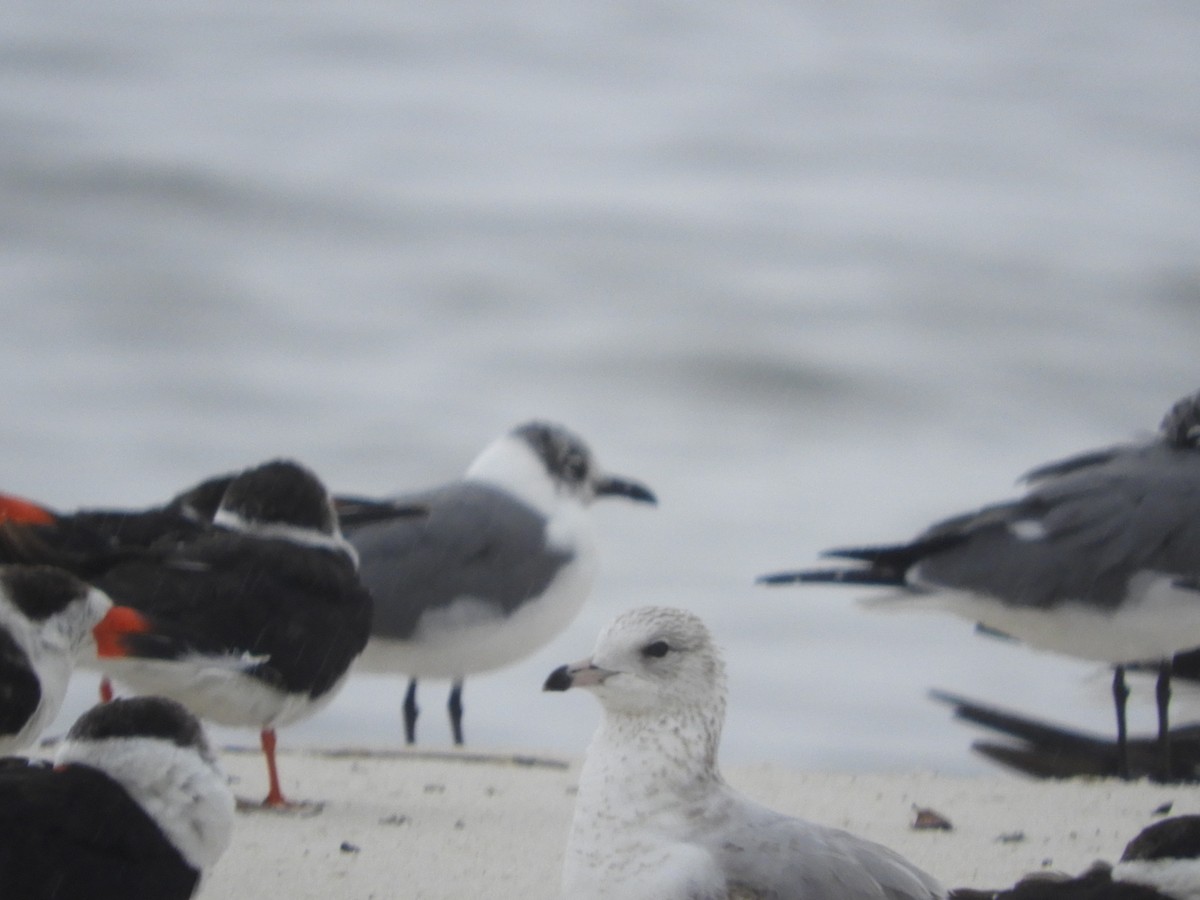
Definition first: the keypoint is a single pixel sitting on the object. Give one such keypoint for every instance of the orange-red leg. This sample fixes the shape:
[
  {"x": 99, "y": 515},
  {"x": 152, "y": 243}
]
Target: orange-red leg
[{"x": 275, "y": 794}]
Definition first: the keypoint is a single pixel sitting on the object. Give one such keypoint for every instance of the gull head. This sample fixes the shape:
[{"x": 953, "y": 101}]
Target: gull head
[
  {"x": 1180, "y": 427},
  {"x": 650, "y": 661},
  {"x": 539, "y": 457}
]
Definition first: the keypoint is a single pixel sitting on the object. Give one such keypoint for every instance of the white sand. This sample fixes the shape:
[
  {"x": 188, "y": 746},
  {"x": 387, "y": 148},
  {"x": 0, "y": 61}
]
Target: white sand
[{"x": 465, "y": 825}]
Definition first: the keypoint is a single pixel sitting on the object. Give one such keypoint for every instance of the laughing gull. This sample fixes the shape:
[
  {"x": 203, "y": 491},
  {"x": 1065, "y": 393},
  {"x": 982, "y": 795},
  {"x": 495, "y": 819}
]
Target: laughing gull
[
  {"x": 1161, "y": 863},
  {"x": 1099, "y": 560},
  {"x": 501, "y": 564},
  {"x": 654, "y": 819},
  {"x": 134, "y": 807},
  {"x": 255, "y": 622},
  {"x": 46, "y": 621}
]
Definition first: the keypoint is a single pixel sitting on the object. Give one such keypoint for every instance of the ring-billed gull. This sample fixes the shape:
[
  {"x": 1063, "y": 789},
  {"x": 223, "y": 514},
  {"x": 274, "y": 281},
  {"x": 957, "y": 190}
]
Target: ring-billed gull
[{"x": 654, "y": 819}]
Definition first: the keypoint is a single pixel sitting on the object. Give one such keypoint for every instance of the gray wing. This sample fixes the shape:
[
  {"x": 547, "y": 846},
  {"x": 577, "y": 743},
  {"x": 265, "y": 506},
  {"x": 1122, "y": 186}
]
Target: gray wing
[
  {"x": 768, "y": 855},
  {"x": 477, "y": 541},
  {"x": 1083, "y": 530}
]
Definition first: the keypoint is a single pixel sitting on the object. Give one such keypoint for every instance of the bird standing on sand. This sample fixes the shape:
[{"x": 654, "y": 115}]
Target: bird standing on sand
[
  {"x": 1099, "y": 560},
  {"x": 134, "y": 807},
  {"x": 253, "y": 623},
  {"x": 654, "y": 819},
  {"x": 500, "y": 565},
  {"x": 90, "y": 542}
]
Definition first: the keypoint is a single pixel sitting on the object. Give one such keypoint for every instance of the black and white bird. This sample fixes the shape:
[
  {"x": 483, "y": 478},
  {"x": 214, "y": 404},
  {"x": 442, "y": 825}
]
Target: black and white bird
[
  {"x": 654, "y": 819},
  {"x": 255, "y": 622},
  {"x": 88, "y": 540},
  {"x": 500, "y": 565},
  {"x": 47, "y": 617},
  {"x": 1161, "y": 863},
  {"x": 134, "y": 807},
  {"x": 1100, "y": 559},
  {"x": 1048, "y": 750}
]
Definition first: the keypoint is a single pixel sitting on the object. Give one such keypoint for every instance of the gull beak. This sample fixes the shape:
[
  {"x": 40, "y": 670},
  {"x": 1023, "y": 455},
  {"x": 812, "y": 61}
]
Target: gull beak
[
  {"x": 613, "y": 486},
  {"x": 580, "y": 674}
]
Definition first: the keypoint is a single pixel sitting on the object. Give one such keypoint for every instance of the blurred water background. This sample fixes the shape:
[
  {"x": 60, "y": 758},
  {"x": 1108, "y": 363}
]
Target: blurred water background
[{"x": 817, "y": 273}]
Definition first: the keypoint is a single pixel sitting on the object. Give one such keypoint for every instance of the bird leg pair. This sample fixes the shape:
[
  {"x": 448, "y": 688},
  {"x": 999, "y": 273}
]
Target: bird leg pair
[{"x": 453, "y": 706}]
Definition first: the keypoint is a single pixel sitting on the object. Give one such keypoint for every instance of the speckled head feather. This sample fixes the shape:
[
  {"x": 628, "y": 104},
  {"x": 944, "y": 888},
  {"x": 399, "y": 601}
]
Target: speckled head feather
[
  {"x": 566, "y": 457},
  {"x": 661, "y": 659}
]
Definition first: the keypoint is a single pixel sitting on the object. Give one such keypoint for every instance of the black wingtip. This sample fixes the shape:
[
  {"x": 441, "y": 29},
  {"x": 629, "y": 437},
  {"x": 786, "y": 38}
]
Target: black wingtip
[
  {"x": 559, "y": 680},
  {"x": 354, "y": 511},
  {"x": 779, "y": 578},
  {"x": 1041, "y": 763},
  {"x": 1042, "y": 734},
  {"x": 864, "y": 577}
]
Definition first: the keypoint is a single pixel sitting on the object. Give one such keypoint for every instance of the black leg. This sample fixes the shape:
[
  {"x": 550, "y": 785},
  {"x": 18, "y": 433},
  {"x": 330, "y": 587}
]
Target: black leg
[
  {"x": 1120, "y": 695},
  {"x": 410, "y": 713},
  {"x": 1162, "y": 697},
  {"x": 454, "y": 705}
]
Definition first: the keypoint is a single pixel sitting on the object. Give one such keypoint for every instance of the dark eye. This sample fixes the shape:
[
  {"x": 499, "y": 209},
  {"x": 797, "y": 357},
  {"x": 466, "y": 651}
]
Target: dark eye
[
  {"x": 576, "y": 467},
  {"x": 658, "y": 648}
]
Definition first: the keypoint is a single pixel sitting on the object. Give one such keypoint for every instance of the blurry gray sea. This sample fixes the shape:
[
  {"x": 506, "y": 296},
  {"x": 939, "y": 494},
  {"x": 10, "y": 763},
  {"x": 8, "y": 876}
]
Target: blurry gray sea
[{"x": 817, "y": 273}]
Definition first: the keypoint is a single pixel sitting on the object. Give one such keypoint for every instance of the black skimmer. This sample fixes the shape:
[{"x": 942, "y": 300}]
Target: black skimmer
[
  {"x": 1100, "y": 559},
  {"x": 134, "y": 807},
  {"x": 47, "y": 618},
  {"x": 88, "y": 539},
  {"x": 1046, "y": 750},
  {"x": 254, "y": 622},
  {"x": 1161, "y": 863},
  {"x": 500, "y": 565},
  {"x": 653, "y": 816}
]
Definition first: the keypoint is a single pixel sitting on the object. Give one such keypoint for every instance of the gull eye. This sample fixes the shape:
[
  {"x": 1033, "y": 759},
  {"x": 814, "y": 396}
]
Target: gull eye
[
  {"x": 576, "y": 467},
  {"x": 658, "y": 648}
]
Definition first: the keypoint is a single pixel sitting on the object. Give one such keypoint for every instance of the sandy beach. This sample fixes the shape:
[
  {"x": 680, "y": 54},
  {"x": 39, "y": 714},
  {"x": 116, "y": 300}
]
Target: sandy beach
[{"x": 427, "y": 825}]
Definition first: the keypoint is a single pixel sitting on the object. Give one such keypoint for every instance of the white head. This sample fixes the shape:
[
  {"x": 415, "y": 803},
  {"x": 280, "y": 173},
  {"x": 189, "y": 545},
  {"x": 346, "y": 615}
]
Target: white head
[
  {"x": 541, "y": 462},
  {"x": 650, "y": 661}
]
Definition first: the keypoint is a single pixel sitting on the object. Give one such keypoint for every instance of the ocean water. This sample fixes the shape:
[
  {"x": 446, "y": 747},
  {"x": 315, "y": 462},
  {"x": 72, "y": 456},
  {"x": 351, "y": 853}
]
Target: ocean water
[{"x": 818, "y": 274}]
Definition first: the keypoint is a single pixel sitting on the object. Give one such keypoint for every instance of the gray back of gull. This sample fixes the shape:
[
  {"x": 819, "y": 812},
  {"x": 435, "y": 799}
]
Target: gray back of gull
[
  {"x": 1092, "y": 524},
  {"x": 478, "y": 541},
  {"x": 766, "y": 854}
]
